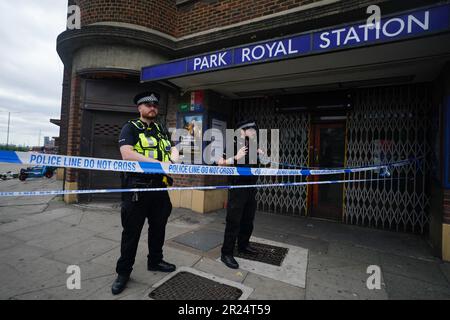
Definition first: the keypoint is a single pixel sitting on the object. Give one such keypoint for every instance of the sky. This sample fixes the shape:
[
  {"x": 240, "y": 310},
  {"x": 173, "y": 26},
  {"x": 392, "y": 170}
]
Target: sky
[{"x": 31, "y": 71}]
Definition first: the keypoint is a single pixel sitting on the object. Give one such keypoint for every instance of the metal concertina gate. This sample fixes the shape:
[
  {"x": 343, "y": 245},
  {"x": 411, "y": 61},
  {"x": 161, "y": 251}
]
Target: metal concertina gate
[{"x": 385, "y": 125}]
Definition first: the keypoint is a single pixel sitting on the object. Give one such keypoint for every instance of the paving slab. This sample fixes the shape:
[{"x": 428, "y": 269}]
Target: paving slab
[
  {"x": 269, "y": 289},
  {"x": 188, "y": 219},
  {"x": 325, "y": 261},
  {"x": 36, "y": 295},
  {"x": 13, "y": 282},
  {"x": 144, "y": 277},
  {"x": 98, "y": 222},
  {"x": 427, "y": 271},
  {"x": 411, "y": 245},
  {"x": 178, "y": 213},
  {"x": 403, "y": 288},
  {"x": 445, "y": 267},
  {"x": 17, "y": 224},
  {"x": 88, "y": 288},
  {"x": 28, "y": 201},
  {"x": 62, "y": 239},
  {"x": 217, "y": 225},
  {"x": 8, "y": 242},
  {"x": 43, "y": 271},
  {"x": 310, "y": 243},
  {"x": 21, "y": 253},
  {"x": 114, "y": 233},
  {"x": 52, "y": 214},
  {"x": 173, "y": 231},
  {"x": 219, "y": 269},
  {"x": 74, "y": 218},
  {"x": 347, "y": 283},
  {"x": 83, "y": 251},
  {"x": 58, "y": 281},
  {"x": 41, "y": 230},
  {"x": 10, "y": 213},
  {"x": 268, "y": 234},
  {"x": 179, "y": 257},
  {"x": 203, "y": 239},
  {"x": 133, "y": 291},
  {"x": 354, "y": 253},
  {"x": 41, "y": 237},
  {"x": 172, "y": 255},
  {"x": 110, "y": 257}
]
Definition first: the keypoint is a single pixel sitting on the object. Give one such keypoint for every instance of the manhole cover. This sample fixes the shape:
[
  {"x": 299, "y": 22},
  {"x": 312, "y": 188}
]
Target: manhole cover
[
  {"x": 267, "y": 254},
  {"x": 188, "y": 286}
]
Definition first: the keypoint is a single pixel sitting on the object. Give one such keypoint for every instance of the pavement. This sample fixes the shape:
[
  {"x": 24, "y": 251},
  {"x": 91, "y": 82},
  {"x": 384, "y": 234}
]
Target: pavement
[{"x": 40, "y": 237}]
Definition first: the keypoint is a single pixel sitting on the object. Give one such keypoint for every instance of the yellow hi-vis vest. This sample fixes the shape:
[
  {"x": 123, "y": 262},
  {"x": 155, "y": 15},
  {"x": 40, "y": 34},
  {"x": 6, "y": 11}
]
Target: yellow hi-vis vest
[{"x": 153, "y": 141}]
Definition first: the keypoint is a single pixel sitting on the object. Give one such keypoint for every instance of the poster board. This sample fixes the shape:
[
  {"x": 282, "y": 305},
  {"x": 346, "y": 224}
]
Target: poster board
[
  {"x": 218, "y": 144},
  {"x": 191, "y": 142}
]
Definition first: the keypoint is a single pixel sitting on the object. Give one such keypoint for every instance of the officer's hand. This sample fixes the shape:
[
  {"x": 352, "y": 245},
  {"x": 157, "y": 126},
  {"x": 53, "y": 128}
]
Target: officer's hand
[
  {"x": 260, "y": 152},
  {"x": 174, "y": 154},
  {"x": 175, "y": 159},
  {"x": 241, "y": 153}
]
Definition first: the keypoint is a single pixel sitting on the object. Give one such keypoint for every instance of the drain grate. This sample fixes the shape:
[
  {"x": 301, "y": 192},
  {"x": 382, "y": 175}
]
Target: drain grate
[
  {"x": 189, "y": 286},
  {"x": 267, "y": 254}
]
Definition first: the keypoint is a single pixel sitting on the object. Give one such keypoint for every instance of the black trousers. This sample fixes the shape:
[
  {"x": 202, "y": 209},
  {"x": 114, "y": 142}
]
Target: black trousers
[
  {"x": 239, "y": 222},
  {"x": 156, "y": 207}
]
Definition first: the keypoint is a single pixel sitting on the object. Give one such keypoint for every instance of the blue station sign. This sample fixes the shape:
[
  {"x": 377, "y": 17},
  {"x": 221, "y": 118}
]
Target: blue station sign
[{"x": 413, "y": 24}]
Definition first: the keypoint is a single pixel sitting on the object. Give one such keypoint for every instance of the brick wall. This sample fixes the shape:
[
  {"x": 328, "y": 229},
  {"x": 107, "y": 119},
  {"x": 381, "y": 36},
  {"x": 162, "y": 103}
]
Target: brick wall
[
  {"x": 74, "y": 126},
  {"x": 65, "y": 101},
  {"x": 199, "y": 16},
  {"x": 181, "y": 20},
  {"x": 155, "y": 14},
  {"x": 447, "y": 206}
]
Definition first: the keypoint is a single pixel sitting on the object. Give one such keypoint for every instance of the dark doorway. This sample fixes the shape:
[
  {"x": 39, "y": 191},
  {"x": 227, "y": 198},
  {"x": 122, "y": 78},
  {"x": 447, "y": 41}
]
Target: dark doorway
[
  {"x": 107, "y": 106},
  {"x": 101, "y": 141},
  {"x": 327, "y": 151}
]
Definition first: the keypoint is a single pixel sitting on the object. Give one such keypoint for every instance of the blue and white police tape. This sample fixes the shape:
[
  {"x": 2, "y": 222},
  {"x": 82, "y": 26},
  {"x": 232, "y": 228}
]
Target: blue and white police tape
[
  {"x": 267, "y": 160},
  {"x": 51, "y": 160},
  {"x": 64, "y": 192}
]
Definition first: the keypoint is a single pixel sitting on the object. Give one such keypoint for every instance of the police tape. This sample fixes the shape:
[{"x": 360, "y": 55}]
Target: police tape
[
  {"x": 76, "y": 162},
  {"x": 224, "y": 187}
]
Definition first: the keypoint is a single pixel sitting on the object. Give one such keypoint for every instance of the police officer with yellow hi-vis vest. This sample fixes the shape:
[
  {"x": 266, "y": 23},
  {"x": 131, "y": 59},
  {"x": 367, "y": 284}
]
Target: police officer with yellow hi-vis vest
[{"x": 144, "y": 140}]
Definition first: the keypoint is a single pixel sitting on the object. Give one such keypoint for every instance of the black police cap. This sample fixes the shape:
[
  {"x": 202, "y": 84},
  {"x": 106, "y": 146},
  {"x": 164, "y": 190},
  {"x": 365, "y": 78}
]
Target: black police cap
[
  {"x": 247, "y": 124},
  {"x": 147, "y": 97}
]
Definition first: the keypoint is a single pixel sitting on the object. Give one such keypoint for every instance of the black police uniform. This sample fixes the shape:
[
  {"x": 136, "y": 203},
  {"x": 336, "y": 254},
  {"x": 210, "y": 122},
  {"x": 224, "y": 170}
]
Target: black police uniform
[
  {"x": 241, "y": 206},
  {"x": 136, "y": 207}
]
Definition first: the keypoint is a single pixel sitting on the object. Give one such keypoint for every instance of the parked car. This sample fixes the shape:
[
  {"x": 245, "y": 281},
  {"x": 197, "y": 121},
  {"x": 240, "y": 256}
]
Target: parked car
[{"x": 36, "y": 172}]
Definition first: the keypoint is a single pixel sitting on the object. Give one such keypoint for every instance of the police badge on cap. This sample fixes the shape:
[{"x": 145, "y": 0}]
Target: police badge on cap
[
  {"x": 147, "y": 97},
  {"x": 247, "y": 124}
]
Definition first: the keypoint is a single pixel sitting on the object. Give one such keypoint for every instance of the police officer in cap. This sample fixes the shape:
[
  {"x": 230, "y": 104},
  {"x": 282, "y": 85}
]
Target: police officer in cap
[
  {"x": 241, "y": 202},
  {"x": 144, "y": 140}
]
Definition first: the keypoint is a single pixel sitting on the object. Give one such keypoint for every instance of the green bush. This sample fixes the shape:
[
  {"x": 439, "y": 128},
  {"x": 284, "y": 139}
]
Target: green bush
[{"x": 14, "y": 148}]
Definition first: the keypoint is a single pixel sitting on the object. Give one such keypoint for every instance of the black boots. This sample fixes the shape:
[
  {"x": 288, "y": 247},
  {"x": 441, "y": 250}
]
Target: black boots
[
  {"x": 229, "y": 261},
  {"x": 119, "y": 284},
  {"x": 161, "y": 266},
  {"x": 249, "y": 250}
]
